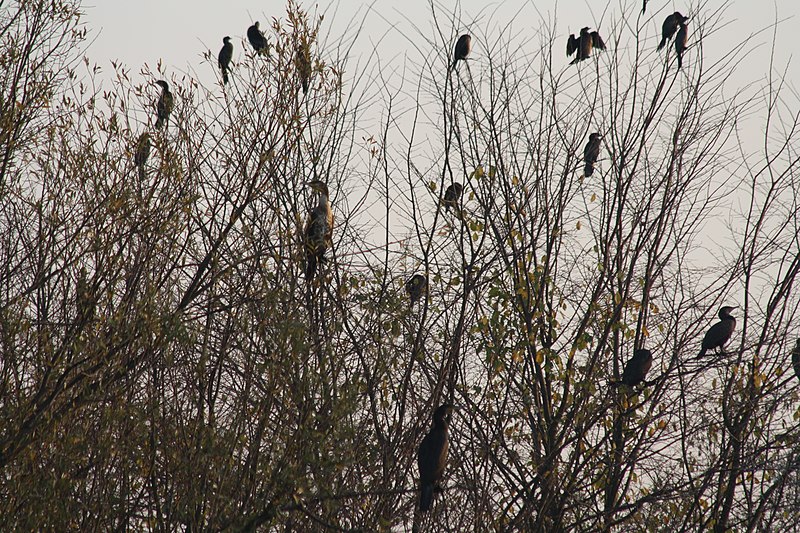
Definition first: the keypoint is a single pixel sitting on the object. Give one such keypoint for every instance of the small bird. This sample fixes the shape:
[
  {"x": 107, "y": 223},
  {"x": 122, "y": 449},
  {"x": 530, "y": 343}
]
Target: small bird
[
  {"x": 432, "y": 456},
  {"x": 796, "y": 358},
  {"x": 680, "y": 42},
  {"x": 583, "y": 44},
  {"x": 302, "y": 60},
  {"x": 591, "y": 153},
  {"x": 257, "y": 39},
  {"x": 416, "y": 287},
  {"x": 224, "y": 58},
  {"x": 452, "y": 196},
  {"x": 637, "y": 367},
  {"x": 318, "y": 230},
  {"x": 165, "y": 104},
  {"x": 669, "y": 27},
  {"x": 142, "y": 153},
  {"x": 720, "y": 333},
  {"x": 463, "y": 48}
]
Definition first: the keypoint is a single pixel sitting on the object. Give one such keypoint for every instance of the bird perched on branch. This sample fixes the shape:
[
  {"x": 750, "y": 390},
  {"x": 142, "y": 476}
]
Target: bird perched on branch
[
  {"x": 416, "y": 287},
  {"x": 680, "y": 42},
  {"x": 637, "y": 367},
  {"x": 583, "y": 44},
  {"x": 796, "y": 358},
  {"x": 432, "y": 455},
  {"x": 452, "y": 196},
  {"x": 302, "y": 59},
  {"x": 164, "y": 105},
  {"x": 224, "y": 57},
  {"x": 257, "y": 39},
  {"x": 720, "y": 333},
  {"x": 319, "y": 229},
  {"x": 669, "y": 27},
  {"x": 141, "y": 154},
  {"x": 590, "y": 153},
  {"x": 463, "y": 48}
]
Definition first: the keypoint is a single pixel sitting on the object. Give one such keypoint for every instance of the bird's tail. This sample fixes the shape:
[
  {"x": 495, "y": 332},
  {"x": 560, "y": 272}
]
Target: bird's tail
[
  {"x": 425, "y": 498},
  {"x": 142, "y": 174},
  {"x": 311, "y": 266},
  {"x": 662, "y": 43},
  {"x": 588, "y": 169},
  {"x": 702, "y": 353},
  {"x": 159, "y": 123},
  {"x": 224, "y": 77},
  {"x": 680, "y": 60}
]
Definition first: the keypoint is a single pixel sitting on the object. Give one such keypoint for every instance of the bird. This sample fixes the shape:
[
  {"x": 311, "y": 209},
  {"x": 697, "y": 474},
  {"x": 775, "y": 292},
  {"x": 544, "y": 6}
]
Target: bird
[
  {"x": 680, "y": 42},
  {"x": 224, "y": 58},
  {"x": 84, "y": 299},
  {"x": 720, "y": 333},
  {"x": 583, "y": 44},
  {"x": 463, "y": 47},
  {"x": 165, "y": 104},
  {"x": 590, "y": 153},
  {"x": 669, "y": 27},
  {"x": 319, "y": 229},
  {"x": 796, "y": 358},
  {"x": 416, "y": 286},
  {"x": 432, "y": 455},
  {"x": 257, "y": 39},
  {"x": 637, "y": 367},
  {"x": 142, "y": 153},
  {"x": 303, "y": 64},
  {"x": 452, "y": 196}
]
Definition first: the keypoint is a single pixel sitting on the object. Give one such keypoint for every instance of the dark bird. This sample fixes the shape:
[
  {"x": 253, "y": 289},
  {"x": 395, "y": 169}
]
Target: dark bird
[
  {"x": 669, "y": 28},
  {"x": 796, "y": 358},
  {"x": 302, "y": 60},
  {"x": 463, "y": 47},
  {"x": 84, "y": 299},
  {"x": 590, "y": 153},
  {"x": 224, "y": 58},
  {"x": 680, "y": 42},
  {"x": 583, "y": 44},
  {"x": 432, "y": 456},
  {"x": 319, "y": 229},
  {"x": 142, "y": 153},
  {"x": 257, "y": 39},
  {"x": 452, "y": 196},
  {"x": 637, "y": 367},
  {"x": 165, "y": 104},
  {"x": 720, "y": 333},
  {"x": 416, "y": 287}
]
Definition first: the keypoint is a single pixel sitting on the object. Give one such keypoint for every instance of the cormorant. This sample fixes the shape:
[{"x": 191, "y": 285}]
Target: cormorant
[
  {"x": 257, "y": 39},
  {"x": 583, "y": 44},
  {"x": 303, "y": 64},
  {"x": 165, "y": 104},
  {"x": 319, "y": 229},
  {"x": 452, "y": 196},
  {"x": 463, "y": 47},
  {"x": 637, "y": 367},
  {"x": 669, "y": 28},
  {"x": 416, "y": 286},
  {"x": 720, "y": 333},
  {"x": 796, "y": 358},
  {"x": 142, "y": 153},
  {"x": 680, "y": 42},
  {"x": 590, "y": 153},
  {"x": 224, "y": 58},
  {"x": 432, "y": 456}
]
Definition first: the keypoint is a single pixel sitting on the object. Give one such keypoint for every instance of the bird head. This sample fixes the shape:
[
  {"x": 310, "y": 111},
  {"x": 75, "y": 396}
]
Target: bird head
[
  {"x": 318, "y": 186},
  {"x": 457, "y": 188},
  {"x": 585, "y": 30},
  {"x": 595, "y": 136},
  {"x": 642, "y": 353},
  {"x": 164, "y": 85},
  {"x": 725, "y": 311},
  {"x": 680, "y": 18},
  {"x": 417, "y": 280},
  {"x": 443, "y": 414},
  {"x": 255, "y": 24},
  {"x": 226, "y": 40}
]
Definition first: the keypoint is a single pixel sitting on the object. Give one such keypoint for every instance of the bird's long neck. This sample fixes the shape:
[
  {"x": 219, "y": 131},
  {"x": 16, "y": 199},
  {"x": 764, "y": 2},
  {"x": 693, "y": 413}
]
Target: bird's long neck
[{"x": 323, "y": 202}]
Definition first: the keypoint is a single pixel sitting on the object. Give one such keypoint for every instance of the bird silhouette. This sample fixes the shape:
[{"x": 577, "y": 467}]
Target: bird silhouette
[
  {"x": 257, "y": 39},
  {"x": 637, "y": 367},
  {"x": 303, "y": 64},
  {"x": 720, "y": 333},
  {"x": 319, "y": 229},
  {"x": 141, "y": 154},
  {"x": 680, "y": 42},
  {"x": 796, "y": 358},
  {"x": 165, "y": 104},
  {"x": 224, "y": 58},
  {"x": 669, "y": 27},
  {"x": 583, "y": 44},
  {"x": 452, "y": 196},
  {"x": 462, "y": 50},
  {"x": 591, "y": 153},
  {"x": 416, "y": 287},
  {"x": 432, "y": 455}
]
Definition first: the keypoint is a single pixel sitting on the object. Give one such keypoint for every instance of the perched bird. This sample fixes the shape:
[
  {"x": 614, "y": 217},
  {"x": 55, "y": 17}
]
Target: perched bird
[
  {"x": 164, "y": 105},
  {"x": 796, "y": 358},
  {"x": 416, "y": 286},
  {"x": 463, "y": 47},
  {"x": 302, "y": 60},
  {"x": 452, "y": 196},
  {"x": 224, "y": 58},
  {"x": 720, "y": 333},
  {"x": 319, "y": 229},
  {"x": 591, "y": 153},
  {"x": 583, "y": 44},
  {"x": 432, "y": 455},
  {"x": 84, "y": 299},
  {"x": 257, "y": 39},
  {"x": 142, "y": 153},
  {"x": 669, "y": 27},
  {"x": 637, "y": 367},
  {"x": 680, "y": 42}
]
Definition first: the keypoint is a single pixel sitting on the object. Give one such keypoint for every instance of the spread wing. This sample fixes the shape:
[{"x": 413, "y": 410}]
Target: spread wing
[
  {"x": 597, "y": 41},
  {"x": 572, "y": 44}
]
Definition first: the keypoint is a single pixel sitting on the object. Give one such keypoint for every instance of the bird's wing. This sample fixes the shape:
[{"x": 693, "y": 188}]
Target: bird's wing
[
  {"x": 572, "y": 44},
  {"x": 597, "y": 41}
]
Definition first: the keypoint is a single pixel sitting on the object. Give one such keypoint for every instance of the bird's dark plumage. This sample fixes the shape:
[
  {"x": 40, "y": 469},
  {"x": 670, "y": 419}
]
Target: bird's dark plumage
[
  {"x": 590, "y": 153},
  {"x": 302, "y": 60},
  {"x": 637, "y": 367},
  {"x": 84, "y": 299},
  {"x": 463, "y": 47},
  {"x": 796, "y": 358},
  {"x": 165, "y": 104},
  {"x": 318, "y": 232},
  {"x": 452, "y": 196},
  {"x": 669, "y": 27},
  {"x": 257, "y": 39},
  {"x": 224, "y": 58},
  {"x": 141, "y": 154},
  {"x": 416, "y": 287},
  {"x": 432, "y": 455},
  {"x": 583, "y": 44},
  {"x": 720, "y": 333},
  {"x": 680, "y": 42}
]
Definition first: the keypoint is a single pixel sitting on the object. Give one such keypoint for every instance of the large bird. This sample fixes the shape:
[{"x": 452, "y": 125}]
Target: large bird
[
  {"x": 302, "y": 60},
  {"x": 164, "y": 105},
  {"x": 669, "y": 27},
  {"x": 319, "y": 229},
  {"x": 224, "y": 58},
  {"x": 590, "y": 153},
  {"x": 720, "y": 333},
  {"x": 416, "y": 287},
  {"x": 583, "y": 44},
  {"x": 257, "y": 39},
  {"x": 432, "y": 455},
  {"x": 463, "y": 47},
  {"x": 637, "y": 367},
  {"x": 452, "y": 196},
  {"x": 680, "y": 42},
  {"x": 141, "y": 154}
]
